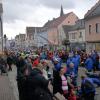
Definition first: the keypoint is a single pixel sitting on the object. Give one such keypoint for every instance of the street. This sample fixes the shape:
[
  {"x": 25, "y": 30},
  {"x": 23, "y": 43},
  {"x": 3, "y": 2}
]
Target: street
[{"x": 8, "y": 85}]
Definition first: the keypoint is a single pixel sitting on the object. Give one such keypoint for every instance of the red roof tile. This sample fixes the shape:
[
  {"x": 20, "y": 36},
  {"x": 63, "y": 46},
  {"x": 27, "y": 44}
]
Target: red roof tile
[{"x": 56, "y": 21}]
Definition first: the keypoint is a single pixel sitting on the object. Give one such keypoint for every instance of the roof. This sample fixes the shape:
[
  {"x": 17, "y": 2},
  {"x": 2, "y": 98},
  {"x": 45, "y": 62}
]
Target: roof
[
  {"x": 80, "y": 24},
  {"x": 95, "y": 10},
  {"x": 67, "y": 28},
  {"x": 19, "y": 35},
  {"x": 32, "y": 30},
  {"x": 56, "y": 21}
]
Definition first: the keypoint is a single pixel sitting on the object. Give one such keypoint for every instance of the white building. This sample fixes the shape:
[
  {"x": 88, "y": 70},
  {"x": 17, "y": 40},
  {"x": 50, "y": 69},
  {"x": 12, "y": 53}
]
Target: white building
[
  {"x": 30, "y": 31},
  {"x": 77, "y": 35},
  {"x": 20, "y": 41}
]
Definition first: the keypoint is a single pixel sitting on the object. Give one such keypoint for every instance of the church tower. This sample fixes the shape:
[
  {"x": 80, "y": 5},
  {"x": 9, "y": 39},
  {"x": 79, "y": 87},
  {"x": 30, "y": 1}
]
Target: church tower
[{"x": 61, "y": 12}]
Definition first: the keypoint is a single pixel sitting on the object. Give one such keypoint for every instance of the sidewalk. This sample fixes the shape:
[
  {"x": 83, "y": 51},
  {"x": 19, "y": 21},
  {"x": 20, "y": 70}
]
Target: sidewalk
[
  {"x": 6, "y": 91},
  {"x": 12, "y": 77},
  {"x": 8, "y": 86}
]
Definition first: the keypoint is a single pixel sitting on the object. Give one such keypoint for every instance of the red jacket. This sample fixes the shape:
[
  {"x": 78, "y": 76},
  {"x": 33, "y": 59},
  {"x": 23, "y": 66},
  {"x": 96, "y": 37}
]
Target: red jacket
[{"x": 35, "y": 62}]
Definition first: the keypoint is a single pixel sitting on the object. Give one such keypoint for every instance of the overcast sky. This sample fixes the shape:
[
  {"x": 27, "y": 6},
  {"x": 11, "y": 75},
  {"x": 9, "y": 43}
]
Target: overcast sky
[{"x": 21, "y": 13}]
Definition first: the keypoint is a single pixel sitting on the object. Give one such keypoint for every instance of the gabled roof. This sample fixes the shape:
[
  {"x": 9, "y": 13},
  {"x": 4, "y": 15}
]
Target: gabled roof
[
  {"x": 79, "y": 25},
  {"x": 93, "y": 11},
  {"x": 56, "y": 21}
]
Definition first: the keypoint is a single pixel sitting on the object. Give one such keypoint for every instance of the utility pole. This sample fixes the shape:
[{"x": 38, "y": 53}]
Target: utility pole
[{"x": 1, "y": 25}]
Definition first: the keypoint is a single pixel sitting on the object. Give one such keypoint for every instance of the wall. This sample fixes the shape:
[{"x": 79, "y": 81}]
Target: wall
[
  {"x": 93, "y": 36},
  {"x": 70, "y": 20},
  {"x": 53, "y": 36},
  {"x": 77, "y": 36}
]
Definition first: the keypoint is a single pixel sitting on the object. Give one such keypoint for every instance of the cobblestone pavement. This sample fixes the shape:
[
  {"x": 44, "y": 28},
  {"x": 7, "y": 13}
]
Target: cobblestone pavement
[
  {"x": 6, "y": 90},
  {"x": 12, "y": 77}
]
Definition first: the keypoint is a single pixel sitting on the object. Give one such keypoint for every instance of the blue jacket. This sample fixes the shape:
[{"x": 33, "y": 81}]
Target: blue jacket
[
  {"x": 75, "y": 61},
  {"x": 89, "y": 63},
  {"x": 57, "y": 66},
  {"x": 96, "y": 81},
  {"x": 78, "y": 58},
  {"x": 69, "y": 60},
  {"x": 87, "y": 90}
]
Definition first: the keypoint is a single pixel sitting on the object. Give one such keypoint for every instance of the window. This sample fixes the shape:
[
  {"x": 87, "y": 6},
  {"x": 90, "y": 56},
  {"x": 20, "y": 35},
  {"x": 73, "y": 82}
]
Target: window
[
  {"x": 89, "y": 29},
  {"x": 73, "y": 35},
  {"x": 80, "y": 35},
  {"x": 97, "y": 27},
  {"x": 68, "y": 21}
]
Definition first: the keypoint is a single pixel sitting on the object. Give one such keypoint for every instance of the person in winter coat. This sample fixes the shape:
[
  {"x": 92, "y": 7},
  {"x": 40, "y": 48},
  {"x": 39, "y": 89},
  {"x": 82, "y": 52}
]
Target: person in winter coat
[
  {"x": 87, "y": 88},
  {"x": 37, "y": 86},
  {"x": 3, "y": 65},
  {"x": 57, "y": 63},
  {"x": 21, "y": 68},
  {"x": 9, "y": 62},
  {"x": 64, "y": 82},
  {"x": 95, "y": 77},
  {"x": 69, "y": 60},
  {"x": 76, "y": 61},
  {"x": 35, "y": 62},
  {"x": 89, "y": 63},
  {"x": 28, "y": 61},
  {"x": 72, "y": 74},
  {"x": 60, "y": 84}
]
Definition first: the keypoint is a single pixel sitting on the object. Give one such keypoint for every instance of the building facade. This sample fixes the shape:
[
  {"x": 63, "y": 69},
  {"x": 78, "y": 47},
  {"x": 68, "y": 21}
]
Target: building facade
[
  {"x": 30, "y": 31},
  {"x": 20, "y": 41},
  {"x": 92, "y": 26},
  {"x": 55, "y": 30},
  {"x": 42, "y": 38},
  {"x": 77, "y": 36}
]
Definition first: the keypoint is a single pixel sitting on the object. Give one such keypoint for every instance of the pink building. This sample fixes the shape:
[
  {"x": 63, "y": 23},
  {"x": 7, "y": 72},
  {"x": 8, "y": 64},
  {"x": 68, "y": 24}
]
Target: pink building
[
  {"x": 92, "y": 27},
  {"x": 55, "y": 27}
]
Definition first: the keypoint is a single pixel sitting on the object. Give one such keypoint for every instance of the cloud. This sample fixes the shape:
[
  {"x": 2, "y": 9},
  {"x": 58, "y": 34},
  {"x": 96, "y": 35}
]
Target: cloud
[
  {"x": 21, "y": 9},
  {"x": 21, "y": 13},
  {"x": 57, "y": 3}
]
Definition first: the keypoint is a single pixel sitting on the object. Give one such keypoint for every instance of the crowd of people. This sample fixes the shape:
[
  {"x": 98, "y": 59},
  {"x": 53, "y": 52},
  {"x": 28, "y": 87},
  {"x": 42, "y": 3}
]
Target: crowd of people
[{"x": 42, "y": 73}]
